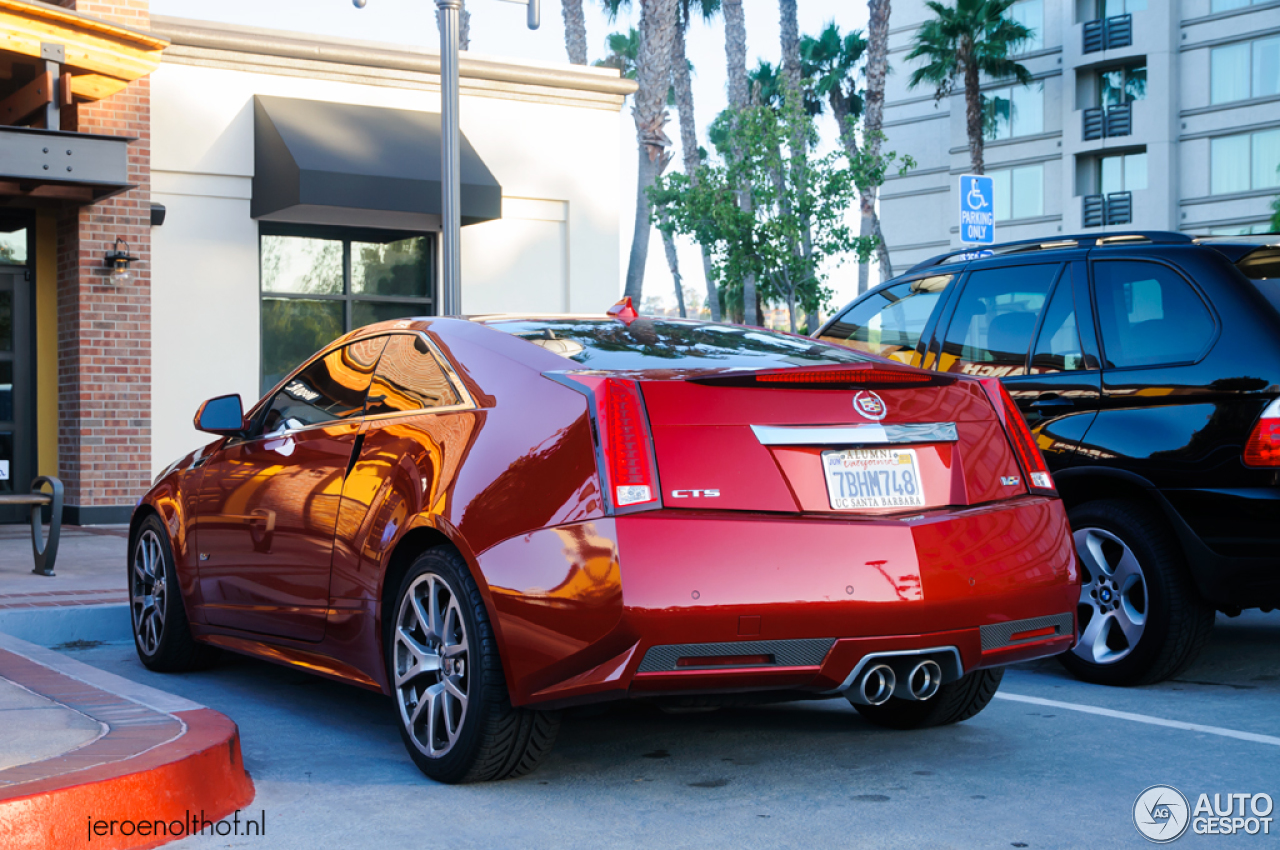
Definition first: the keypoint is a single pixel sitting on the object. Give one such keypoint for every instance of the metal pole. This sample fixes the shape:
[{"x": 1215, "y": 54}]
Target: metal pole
[{"x": 450, "y": 12}]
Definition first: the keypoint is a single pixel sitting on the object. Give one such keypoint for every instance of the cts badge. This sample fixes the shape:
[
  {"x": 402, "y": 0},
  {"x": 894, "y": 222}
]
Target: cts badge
[
  {"x": 870, "y": 405},
  {"x": 695, "y": 494}
]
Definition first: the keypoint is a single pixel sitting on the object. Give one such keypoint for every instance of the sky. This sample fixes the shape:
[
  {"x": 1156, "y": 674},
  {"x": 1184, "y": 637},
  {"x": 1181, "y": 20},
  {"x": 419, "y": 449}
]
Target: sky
[{"x": 498, "y": 28}]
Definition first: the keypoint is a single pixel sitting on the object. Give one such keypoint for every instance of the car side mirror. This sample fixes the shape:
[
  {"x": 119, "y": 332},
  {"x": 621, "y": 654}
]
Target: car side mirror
[{"x": 223, "y": 415}]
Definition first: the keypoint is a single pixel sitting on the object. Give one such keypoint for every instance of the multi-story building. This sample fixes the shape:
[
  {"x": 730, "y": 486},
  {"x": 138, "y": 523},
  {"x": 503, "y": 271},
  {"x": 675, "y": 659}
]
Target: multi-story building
[{"x": 1142, "y": 115}]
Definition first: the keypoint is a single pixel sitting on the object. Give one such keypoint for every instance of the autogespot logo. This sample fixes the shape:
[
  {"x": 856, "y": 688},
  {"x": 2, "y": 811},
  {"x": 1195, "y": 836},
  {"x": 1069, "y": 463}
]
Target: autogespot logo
[{"x": 1161, "y": 814}]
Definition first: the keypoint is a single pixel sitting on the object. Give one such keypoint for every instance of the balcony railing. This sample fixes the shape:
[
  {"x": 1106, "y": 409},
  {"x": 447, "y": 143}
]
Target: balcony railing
[
  {"x": 1108, "y": 33},
  {"x": 1112, "y": 208},
  {"x": 1108, "y": 123}
]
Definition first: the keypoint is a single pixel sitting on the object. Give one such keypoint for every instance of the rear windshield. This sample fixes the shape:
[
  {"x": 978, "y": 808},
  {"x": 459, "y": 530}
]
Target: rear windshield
[
  {"x": 1263, "y": 267},
  {"x": 668, "y": 344}
]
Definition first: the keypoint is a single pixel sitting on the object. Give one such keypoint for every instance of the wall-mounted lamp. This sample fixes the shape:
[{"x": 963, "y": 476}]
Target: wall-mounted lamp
[{"x": 118, "y": 261}]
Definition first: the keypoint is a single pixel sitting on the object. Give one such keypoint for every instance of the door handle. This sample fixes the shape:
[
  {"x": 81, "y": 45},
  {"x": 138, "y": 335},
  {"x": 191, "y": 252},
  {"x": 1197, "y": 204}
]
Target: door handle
[{"x": 1051, "y": 401}]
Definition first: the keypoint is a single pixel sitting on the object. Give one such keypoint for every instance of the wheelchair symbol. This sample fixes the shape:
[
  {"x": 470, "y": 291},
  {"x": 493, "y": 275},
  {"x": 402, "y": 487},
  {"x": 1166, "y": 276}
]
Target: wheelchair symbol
[{"x": 975, "y": 199}]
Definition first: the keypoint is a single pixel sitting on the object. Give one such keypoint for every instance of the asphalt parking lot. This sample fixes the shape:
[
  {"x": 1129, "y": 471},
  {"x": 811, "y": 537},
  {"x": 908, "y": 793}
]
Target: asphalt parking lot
[{"x": 1051, "y": 763}]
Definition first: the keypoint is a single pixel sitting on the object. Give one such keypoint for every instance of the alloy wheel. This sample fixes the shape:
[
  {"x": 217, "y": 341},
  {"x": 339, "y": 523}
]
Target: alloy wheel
[
  {"x": 148, "y": 591},
  {"x": 431, "y": 665},
  {"x": 1114, "y": 602}
]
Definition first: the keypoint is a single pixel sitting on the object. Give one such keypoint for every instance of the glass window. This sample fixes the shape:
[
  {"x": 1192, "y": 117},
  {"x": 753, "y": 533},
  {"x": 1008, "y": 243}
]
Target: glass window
[
  {"x": 1227, "y": 5},
  {"x": 1266, "y": 67},
  {"x": 1111, "y": 8},
  {"x": 331, "y": 388},
  {"x": 6, "y": 320},
  {"x": 1122, "y": 85},
  {"x": 1244, "y": 162},
  {"x": 657, "y": 344},
  {"x": 1019, "y": 192},
  {"x": 1229, "y": 73},
  {"x": 409, "y": 378},
  {"x": 890, "y": 322},
  {"x": 1122, "y": 173},
  {"x": 1148, "y": 315},
  {"x": 1013, "y": 111},
  {"x": 990, "y": 331},
  {"x": 13, "y": 247},
  {"x": 6, "y": 389},
  {"x": 1030, "y": 13},
  {"x": 1058, "y": 347},
  {"x": 318, "y": 283}
]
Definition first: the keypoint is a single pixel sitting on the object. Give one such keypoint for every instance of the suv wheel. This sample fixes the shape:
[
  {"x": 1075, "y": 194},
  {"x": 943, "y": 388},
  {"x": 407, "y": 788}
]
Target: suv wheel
[
  {"x": 450, "y": 696},
  {"x": 1141, "y": 620}
]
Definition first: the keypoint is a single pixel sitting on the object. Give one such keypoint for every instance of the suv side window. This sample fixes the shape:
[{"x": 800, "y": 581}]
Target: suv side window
[
  {"x": 1148, "y": 315},
  {"x": 990, "y": 331},
  {"x": 409, "y": 378},
  {"x": 331, "y": 388},
  {"x": 1058, "y": 347},
  {"x": 890, "y": 322}
]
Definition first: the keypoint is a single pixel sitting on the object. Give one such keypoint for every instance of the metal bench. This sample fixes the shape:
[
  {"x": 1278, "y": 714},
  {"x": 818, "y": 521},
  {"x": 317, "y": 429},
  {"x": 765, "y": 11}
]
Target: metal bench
[{"x": 44, "y": 551}]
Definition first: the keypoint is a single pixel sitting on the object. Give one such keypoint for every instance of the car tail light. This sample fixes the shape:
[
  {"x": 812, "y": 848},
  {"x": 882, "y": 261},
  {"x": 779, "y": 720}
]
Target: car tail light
[
  {"x": 1020, "y": 437},
  {"x": 845, "y": 376},
  {"x": 627, "y": 467},
  {"x": 1263, "y": 448}
]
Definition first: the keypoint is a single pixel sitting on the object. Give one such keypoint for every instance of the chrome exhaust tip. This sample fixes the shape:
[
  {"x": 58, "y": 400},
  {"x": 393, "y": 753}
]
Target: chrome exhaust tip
[
  {"x": 875, "y": 686},
  {"x": 921, "y": 682}
]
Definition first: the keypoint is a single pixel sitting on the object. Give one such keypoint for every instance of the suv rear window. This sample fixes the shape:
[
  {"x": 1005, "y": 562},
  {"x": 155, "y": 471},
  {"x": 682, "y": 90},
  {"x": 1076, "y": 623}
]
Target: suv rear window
[
  {"x": 659, "y": 344},
  {"x": 1263, "y": 266}
]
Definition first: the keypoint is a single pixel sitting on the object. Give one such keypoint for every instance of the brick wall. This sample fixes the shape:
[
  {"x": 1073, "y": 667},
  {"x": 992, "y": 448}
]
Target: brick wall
[{"x": 104, "y": 332}]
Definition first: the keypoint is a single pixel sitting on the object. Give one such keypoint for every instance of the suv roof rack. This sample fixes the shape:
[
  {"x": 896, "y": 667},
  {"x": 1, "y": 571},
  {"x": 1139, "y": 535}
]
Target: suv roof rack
[{"x": 1092, "y": 240}]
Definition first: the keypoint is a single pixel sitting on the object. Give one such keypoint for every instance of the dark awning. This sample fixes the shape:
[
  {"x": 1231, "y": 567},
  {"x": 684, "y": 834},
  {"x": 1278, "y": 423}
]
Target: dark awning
[{"x": 335, "y": 163}]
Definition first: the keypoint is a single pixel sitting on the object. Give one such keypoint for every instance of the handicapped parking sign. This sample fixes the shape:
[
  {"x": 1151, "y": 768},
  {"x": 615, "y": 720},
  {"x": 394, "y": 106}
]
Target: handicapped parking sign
[{"x": 977, "y": 209}]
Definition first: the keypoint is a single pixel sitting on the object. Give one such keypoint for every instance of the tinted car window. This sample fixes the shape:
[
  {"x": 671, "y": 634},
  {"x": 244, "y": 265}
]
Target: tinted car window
[
  {"x": 890, "y": 321},
  {"x": 1058, "y": 347},
  {"x": 409, "y": 378},
  {"x": 1148, "y": 315},
  {"x": 331, "y": 388},
  {"x": 990, "y": 331},
  {"x": 658, "y": 344}
]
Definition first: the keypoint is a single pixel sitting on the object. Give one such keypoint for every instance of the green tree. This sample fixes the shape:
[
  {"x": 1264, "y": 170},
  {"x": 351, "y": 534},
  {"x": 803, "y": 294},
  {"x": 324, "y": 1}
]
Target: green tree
[
  {"x": 758, "y": 239},
  {"x": 1275, "y": 216},
  {"x": 967, "y": 40}
]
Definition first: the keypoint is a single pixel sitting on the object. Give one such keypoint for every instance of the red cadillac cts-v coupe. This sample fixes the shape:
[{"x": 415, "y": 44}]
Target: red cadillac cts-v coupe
[{"x": 490, "y": 519}]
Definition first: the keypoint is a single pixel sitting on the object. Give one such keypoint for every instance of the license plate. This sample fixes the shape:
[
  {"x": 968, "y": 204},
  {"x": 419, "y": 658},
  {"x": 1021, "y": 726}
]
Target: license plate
[{"x": 873, "y": 478}]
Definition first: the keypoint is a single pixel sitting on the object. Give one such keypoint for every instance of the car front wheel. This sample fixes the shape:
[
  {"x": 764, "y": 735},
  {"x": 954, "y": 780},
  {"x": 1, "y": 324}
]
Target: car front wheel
[
  {"x": 161, "y": 631},
  {"x": 1141, "y": 620},
  {"x": 451, "y": 700}
]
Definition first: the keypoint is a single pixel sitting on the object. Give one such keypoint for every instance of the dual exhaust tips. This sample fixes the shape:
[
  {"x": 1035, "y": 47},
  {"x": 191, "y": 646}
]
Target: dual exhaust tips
[{"x": 918, "y": 681}]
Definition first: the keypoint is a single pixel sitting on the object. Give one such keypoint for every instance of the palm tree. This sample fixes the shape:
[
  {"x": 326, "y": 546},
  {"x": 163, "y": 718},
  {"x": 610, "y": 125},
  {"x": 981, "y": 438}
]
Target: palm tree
[
  {"x": 682, "y": 83},
  {"x": 735, "y": 53},
  {"x": 658, "y": 25},
  {"x": 877, "y": 71},
  {"x": 971, "y": 38},
  {"x": 575, "y": 31}
]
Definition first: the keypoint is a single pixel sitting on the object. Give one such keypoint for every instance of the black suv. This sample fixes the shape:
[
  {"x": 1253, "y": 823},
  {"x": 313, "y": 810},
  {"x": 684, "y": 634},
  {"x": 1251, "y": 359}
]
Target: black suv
[{"x": 1148, "y": 365}]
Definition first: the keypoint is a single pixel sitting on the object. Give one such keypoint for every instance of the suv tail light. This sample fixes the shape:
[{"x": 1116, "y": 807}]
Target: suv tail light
[
  {"x": 628, "y": 471},
  {"x": 1020, "y": 436},
  {"x": 1263, "y": 448}
]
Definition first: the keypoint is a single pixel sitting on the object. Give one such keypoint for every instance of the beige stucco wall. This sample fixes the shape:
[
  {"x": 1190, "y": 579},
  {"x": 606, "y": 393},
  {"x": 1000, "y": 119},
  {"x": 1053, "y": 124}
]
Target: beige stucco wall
[{"x": 556, "y": 248}]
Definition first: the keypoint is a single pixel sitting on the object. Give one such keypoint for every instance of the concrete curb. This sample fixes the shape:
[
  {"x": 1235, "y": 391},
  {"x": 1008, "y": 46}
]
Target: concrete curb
[
  {"x": 165, "y": 768},
  {"x": 56, "y": 625}
]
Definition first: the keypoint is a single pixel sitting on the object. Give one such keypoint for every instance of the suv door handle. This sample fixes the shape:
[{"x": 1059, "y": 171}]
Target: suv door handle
[{"x": 1051, "y": 401}]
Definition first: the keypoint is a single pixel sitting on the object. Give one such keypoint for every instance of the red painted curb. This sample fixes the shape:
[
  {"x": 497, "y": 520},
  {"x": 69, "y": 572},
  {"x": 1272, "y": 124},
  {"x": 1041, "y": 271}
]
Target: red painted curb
[{"x": 200, "y": 774}]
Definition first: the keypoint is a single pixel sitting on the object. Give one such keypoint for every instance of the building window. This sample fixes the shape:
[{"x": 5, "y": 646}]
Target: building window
[
  {"x": 1240, "y": 71},
  {"x": 1245, "y": 162},
  {"x": 1228, "y": 5},
  {"x": 1122, "y": 173},
  {"x": 1120, "y": 86},
  {"x": 1019, "y": 192},
  {"x": 1111, "y": 8},
  {"x": 1013, "y": 111},
  {"x": 318, "y": 283},
  {"x": 1029, "y": 13},
  {"x": 1241, "y": 229}
]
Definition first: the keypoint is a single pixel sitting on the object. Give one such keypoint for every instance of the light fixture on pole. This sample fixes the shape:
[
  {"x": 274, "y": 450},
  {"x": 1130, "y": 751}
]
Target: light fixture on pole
[{"x": 448, "y": 14}]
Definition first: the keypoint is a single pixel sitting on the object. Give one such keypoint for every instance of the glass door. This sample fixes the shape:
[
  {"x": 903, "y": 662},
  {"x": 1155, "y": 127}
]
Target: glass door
[{"x": 17, "y": 451}]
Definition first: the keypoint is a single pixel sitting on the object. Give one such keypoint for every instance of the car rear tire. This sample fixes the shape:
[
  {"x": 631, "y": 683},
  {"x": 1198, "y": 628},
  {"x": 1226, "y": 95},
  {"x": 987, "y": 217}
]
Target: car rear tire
[
  {"x": 954, "y": 702},
  {"x": 1141, "y": 619},
  {"x": 161, "y": 630},
  {"x": 451, "y": 701}
]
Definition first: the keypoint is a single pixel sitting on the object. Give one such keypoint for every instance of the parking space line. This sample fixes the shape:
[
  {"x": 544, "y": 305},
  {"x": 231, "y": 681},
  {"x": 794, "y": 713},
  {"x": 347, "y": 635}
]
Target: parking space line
[{"x": 1144, "y": 718}]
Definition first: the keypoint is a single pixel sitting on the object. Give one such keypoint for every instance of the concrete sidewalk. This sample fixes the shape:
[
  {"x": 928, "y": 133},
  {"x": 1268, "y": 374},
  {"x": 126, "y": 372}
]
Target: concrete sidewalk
[{"x": 80, "y": 747}]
